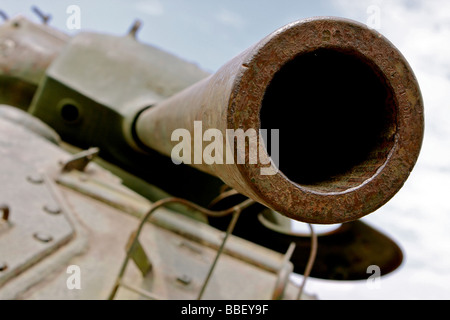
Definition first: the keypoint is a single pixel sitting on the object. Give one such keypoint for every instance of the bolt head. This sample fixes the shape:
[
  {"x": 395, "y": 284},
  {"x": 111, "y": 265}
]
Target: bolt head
[
  {"x": 184, "y": 279},
  {"x": 52, "y": 209},
  {"x": 35, "y": 179},
  {"x": 3, "y": 266},
  {"x": 42, "y": 237}
]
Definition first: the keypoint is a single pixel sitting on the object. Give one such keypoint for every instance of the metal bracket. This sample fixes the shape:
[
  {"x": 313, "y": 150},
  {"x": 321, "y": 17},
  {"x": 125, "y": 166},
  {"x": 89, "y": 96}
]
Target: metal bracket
[
  {"x": 235, "y": 211},
  {"x": 283, "y": 274},
  {"x": 44, "y": 17},
  {"x": 137, "y": 253},
  {"x": 80, "y": 160},
  {"x": 135, "y": 28},
  {"x": 5, "y": 210}
]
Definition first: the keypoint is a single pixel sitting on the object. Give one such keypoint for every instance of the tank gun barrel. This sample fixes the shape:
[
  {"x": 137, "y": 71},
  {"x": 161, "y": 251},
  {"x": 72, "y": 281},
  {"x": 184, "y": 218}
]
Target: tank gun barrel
[{"x": 346, "y": 105}]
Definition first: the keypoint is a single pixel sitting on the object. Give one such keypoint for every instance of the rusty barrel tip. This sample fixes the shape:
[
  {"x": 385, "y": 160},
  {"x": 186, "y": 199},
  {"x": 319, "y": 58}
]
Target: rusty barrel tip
[{"x": 347, "y": 106}]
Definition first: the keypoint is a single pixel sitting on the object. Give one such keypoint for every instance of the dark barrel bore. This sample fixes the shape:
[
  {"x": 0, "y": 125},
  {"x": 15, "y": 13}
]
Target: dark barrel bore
[{"x": 336, "y": 116}]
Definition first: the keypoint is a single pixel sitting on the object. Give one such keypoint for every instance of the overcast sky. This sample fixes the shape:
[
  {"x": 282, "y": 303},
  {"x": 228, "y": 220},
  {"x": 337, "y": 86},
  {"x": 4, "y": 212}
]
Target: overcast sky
[{"x": 210, "y": 33}]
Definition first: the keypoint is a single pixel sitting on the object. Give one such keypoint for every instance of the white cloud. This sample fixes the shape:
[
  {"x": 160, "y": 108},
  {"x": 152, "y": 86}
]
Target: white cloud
[
  {"x": 150, "y": 7},
  {"x": 421, "y": 31},
  {"x": 230, "y": 18},
  {"x": 418, "y": 214}
]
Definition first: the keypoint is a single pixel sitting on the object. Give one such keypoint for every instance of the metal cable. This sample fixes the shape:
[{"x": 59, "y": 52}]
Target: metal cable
[
  {"x": 163, "y": 202},
  {"x": 309, "y": 265}
]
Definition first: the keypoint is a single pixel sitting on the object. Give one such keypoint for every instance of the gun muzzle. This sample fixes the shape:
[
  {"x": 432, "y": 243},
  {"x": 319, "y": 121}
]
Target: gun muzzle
[{"x": 347, "y": 106}]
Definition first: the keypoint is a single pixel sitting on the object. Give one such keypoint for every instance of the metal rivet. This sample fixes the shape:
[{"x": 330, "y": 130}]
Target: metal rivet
[
  {"x": 52, "y": 209},
  {"x": 3, "y": 266},
  {"x": 185, "y": 244},
  {"x": 184, "y": 279},
  {"x": 35, "y": 179},
  {"x": 43, "y": 237}
]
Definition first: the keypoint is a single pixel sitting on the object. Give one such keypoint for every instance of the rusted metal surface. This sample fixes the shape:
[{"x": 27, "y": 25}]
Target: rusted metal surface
[
  {"x": 25, "y": 120},
  {"x": 195, "y": 232},
  {"x": 244, "y": 92},
  {"x": 108, "y": 191},
  {"x": 180, "y": 248},
  {"x": 26, "y": 51},
  {"x": 33, "y": 233},
  {"x": 333, "y": 177},
  {"x": 95, "y": 105}
]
